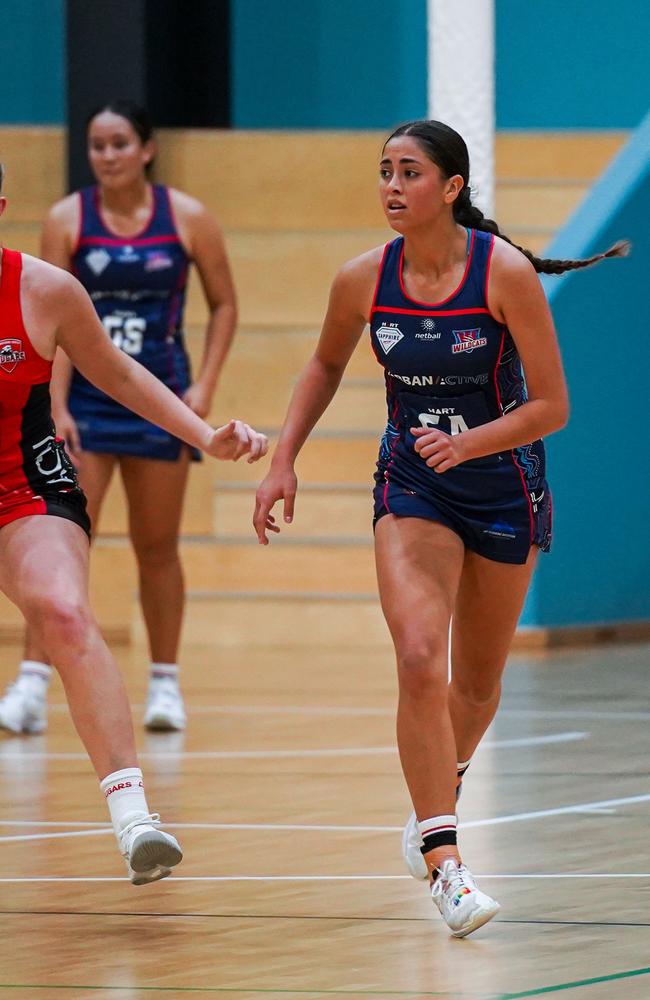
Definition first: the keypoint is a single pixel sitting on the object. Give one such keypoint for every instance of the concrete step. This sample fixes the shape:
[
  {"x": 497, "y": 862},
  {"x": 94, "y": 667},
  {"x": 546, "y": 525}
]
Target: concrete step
[
  {"x": 321, "y": 512},
  {"x": 312, "y": 621},
  {"x": 218, "y": 567},
  {"x": 198, "y": 515},
  {"x": 531, "y": 204},
  {"x": 335, "y": 459}
]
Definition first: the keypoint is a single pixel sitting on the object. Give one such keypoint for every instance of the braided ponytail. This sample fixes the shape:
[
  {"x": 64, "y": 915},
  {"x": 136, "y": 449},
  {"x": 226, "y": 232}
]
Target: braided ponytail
[{"x": 447, "y": 149}]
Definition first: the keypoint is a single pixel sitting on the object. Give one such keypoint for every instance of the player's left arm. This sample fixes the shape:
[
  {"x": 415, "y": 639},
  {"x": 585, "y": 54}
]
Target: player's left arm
[
  {"x": 516, "y": 299},
  {"x": 81, "y": 335},
  {"x": 204, "y": 242}
]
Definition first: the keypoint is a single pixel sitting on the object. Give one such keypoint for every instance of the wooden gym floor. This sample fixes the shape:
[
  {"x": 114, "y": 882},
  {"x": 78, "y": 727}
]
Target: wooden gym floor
[{"x": 287, "y": 795}]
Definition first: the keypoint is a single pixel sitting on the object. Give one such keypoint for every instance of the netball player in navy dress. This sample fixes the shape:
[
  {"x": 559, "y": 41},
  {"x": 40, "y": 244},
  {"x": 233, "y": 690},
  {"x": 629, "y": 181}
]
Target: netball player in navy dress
[
  {"x": 130, "y": 243},
  {"x": 461, "y": 502}
]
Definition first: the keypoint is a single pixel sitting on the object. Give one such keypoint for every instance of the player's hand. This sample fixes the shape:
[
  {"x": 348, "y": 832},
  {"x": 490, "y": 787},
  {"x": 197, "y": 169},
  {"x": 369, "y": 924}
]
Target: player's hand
[
  {"x": 198, "y": 398},
  {"x": 440, "y": 451},
  {"x": 66, "y": 428},
  {"x": 280, "y": 484},
  {"x": 235, "y": 439}
]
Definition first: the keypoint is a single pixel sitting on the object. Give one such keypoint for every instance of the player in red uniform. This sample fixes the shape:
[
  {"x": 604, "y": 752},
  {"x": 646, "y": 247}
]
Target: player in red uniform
[{"x": 44, "y": 528}]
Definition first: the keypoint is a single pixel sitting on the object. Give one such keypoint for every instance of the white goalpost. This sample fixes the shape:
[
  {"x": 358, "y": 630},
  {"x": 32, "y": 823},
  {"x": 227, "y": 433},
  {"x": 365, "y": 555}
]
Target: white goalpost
[{"x": 461, "y": 83}]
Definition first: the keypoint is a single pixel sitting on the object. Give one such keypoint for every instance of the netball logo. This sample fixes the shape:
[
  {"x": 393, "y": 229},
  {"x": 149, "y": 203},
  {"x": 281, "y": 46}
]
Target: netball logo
[{"x": 11, "y": 354}]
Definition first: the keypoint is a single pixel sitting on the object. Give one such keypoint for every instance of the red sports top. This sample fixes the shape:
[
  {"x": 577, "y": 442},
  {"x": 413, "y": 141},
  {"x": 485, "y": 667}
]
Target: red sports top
[{"x": 34, "y": 469}]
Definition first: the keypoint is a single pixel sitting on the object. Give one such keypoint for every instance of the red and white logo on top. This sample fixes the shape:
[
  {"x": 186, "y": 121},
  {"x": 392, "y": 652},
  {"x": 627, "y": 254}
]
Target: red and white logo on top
[
  {"x": 11, "y": 354},
  {"x": 467, "y": 340}
]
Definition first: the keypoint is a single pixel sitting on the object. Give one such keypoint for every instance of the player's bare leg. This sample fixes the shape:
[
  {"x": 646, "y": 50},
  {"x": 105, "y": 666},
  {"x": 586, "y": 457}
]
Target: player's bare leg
[
  {"x": 44, "y": 571},
  {"x": 23, "y": 709},
  {"x": 154, "y": 529},
  {"x": 419, "y": 567}
]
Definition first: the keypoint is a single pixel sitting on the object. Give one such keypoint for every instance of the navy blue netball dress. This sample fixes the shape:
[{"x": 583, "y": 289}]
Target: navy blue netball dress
[
  {"x": 452, "y": 366},
  {"x": 137, "y": 286}
]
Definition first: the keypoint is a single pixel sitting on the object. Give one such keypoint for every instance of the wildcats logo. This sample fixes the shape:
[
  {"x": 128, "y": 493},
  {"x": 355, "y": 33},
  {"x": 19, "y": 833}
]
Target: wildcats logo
[
  {"x": 467, "y": 340},
  {"x": 11, "y": 354},
  {"x": 158, "y": 260},
  {"x": 388, "y": 335}
]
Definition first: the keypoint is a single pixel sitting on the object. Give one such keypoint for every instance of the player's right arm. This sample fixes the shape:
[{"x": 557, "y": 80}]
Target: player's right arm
[
  {"x": 58, "y": 239},
  {"x": 348, "y": 312}
]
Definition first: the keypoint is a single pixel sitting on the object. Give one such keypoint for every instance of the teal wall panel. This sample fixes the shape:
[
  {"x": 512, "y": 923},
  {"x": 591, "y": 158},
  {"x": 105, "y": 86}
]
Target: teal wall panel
[
  {"x": 33, "y": 62},
  {"x": 599, "y": 570},
  {"x": 572, "y": 64},
  {"x": 328, "y": 63}
]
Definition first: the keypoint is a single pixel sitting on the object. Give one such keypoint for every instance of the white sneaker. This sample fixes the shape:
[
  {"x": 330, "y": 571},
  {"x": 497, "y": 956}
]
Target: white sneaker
[
  {"x": 150, "y": 854},
  {"x": 165, "y": 709},
  {"x": 463, "y": 906},
  {"x": 23, "y": 709}
]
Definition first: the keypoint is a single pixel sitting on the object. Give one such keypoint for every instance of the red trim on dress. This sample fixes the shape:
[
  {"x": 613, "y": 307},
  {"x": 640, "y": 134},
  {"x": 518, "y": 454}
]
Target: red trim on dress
[
  {"x": 99, "y": 241},
  {"x": 487, "y": 272},
  {"x": 80, "y": 227},
  {"x": 390, "y": 459},
  {"x": 457, "y": 291},
  {"x": 512, "y": 450},
  {"x": 432, "y": 312},
  {"x": 380, "y": 273}
]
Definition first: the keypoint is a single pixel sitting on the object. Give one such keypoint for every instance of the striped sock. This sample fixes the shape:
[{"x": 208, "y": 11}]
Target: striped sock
[{"x": 438, "y": 831}]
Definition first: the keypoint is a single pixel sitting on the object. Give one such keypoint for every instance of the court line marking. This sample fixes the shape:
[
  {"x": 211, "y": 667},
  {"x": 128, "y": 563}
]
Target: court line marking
[
  {"x": 524, "y": 713},
  {"x": 28, "y": 879},
  {"x": 581, "y": 807},
  {"x": 264, "y": 991},
  {"x": 525, "y": 741},
  {"x": 559, "y": 987}
]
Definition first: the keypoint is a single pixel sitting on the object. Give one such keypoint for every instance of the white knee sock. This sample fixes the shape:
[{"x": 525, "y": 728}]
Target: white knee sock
[{"x": 124, "y": 792}]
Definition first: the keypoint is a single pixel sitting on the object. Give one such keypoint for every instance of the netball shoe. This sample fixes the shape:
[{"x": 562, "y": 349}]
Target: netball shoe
[
  {"x": 149, "y": 852},
  {"x": 23, "y": 709},
  {"x": 463, "y": 906},
  {"x": 165, "y": 711}
]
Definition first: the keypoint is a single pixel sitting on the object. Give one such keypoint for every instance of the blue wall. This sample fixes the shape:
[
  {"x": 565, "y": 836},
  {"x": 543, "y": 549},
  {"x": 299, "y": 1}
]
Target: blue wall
[
  {"x": 32, "y": 62},
  {"x": 336, "y": 64},
  {"x": 328, "y": 63},
  {"x": 600, "y": 465},
  {"x": 572, "y": 64}
]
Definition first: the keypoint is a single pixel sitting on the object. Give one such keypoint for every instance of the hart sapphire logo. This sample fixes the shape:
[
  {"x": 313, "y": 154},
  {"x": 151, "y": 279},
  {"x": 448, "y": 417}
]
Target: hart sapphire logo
[
  {"x": 388, "y": 335},
  {"x": 467, "y": 341},
  {"x": 11, "y": 354},
  {"x": 98, "y": 260}
]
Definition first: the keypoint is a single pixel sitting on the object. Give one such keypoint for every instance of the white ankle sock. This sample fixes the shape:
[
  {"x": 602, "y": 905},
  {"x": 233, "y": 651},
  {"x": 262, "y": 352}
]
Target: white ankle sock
[
  {"x": 36, "y": 673},
  {"x": 124, "y": 792},
  {"x": 163, "y": 672}
]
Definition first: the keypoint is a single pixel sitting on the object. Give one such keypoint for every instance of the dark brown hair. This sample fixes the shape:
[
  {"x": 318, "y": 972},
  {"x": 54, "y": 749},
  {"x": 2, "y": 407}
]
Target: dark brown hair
[
  {"x": 137, "y": 116},
  {"x": 447, "y": 149}
]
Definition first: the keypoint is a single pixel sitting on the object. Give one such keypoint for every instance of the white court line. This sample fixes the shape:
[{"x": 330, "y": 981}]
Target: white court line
[
  {"x": 526, "y": 741},
  {"x": 580, "y": 807},
  {"x": 321, "y": 878},
  {"x": 54, "y": 836},
  {"x": 569, "y": 713},
  {"x": 563, "y": 810},
  {"x": 361, "y": 710}
]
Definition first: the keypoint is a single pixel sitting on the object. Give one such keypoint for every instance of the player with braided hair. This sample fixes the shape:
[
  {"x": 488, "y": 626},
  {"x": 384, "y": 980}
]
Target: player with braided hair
[{"x": 462, "y": 506}]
